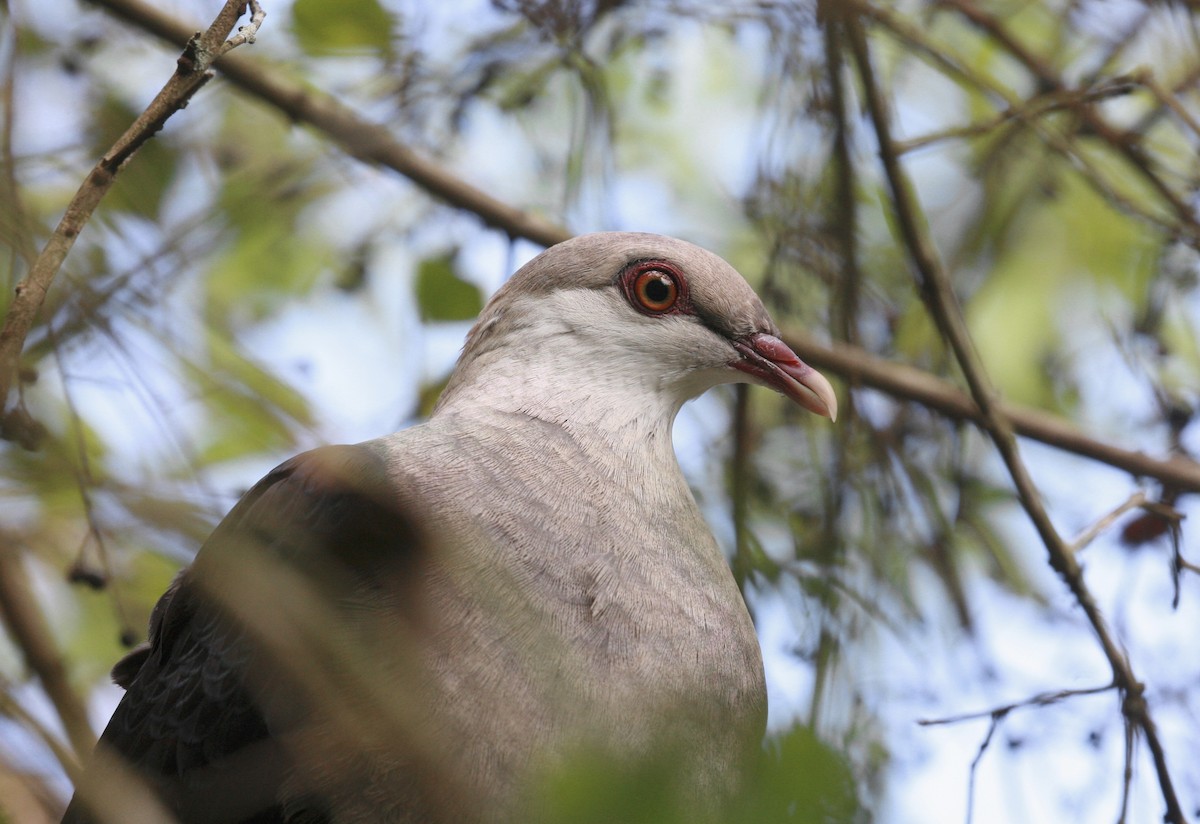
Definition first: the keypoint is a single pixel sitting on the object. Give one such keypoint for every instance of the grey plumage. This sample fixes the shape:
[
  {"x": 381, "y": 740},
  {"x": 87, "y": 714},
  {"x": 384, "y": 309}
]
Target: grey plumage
[{"x": 522, "y": 578}]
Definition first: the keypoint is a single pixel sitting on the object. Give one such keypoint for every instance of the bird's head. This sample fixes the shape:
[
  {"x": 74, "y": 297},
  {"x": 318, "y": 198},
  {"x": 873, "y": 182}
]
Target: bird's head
[{"x": 622, "y": 317}]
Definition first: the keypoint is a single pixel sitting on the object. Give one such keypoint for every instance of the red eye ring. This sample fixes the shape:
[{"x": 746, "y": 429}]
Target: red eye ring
[{"x": 653, "y": 287}]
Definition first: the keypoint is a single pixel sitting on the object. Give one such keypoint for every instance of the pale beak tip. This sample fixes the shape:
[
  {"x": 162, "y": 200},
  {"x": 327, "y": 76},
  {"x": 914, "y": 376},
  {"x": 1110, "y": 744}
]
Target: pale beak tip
[{"x": 816, "y": 383}]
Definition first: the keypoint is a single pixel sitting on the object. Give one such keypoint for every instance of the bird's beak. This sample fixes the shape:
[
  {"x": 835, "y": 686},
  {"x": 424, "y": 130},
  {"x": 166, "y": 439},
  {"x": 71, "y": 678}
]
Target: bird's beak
[{"x": 774, "y": 364}]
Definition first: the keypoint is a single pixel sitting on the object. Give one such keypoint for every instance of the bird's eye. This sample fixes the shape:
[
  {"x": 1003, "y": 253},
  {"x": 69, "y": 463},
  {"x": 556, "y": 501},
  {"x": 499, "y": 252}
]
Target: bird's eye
[{"x": 653, "y": 288}]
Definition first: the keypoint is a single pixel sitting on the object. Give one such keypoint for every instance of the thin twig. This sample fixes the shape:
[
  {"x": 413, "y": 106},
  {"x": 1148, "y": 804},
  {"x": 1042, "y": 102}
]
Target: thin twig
[
  {"x": 1037, "y": 107},
  {"x": 997, "y": 715},
  {"x": 1083, "y": 539},
  {"x": 920, "y": 44},
  {"x": 1124, "y": 142},
  {"x": 1126, "y": 774},
  {"x": 191, "y": 73},
  {"x": 355, "y": 134},
  {"x": 1042, "y": 699},
  {"x": 1167, "y": 99},
  {"x": 935, "y": 288},
  {"x": 85, "y": 481},
  {"x": 983, "y": 746},
  {"x": 247, "y": 33}
]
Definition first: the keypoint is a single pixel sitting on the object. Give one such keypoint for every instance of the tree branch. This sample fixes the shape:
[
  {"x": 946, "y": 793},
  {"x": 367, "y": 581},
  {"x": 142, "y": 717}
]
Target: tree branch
[
  {"x": 859, "y": 367},
  {"x": 23, "y": 617},
  {"x": 935, "y": 288},
  {"x": 357, "y": 136},
  {"x": 1124, "y": 142},
  {"x": 18, "y": 607},
  {"x": 191, "y": 72},
  {"x": 1064, "y": 144}
]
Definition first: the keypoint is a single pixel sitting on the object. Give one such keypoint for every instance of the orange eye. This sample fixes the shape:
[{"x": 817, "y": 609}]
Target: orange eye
[{"x": 655, "y": 290}]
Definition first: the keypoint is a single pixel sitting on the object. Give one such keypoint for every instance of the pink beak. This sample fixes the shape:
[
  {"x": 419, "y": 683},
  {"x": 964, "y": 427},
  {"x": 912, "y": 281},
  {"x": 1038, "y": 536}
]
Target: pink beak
[{"x": 774, "y": 364}]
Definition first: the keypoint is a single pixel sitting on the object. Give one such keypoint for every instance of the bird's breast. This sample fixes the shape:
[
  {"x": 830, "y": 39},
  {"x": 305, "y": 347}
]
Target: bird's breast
[{"x": 570, "y": 609}]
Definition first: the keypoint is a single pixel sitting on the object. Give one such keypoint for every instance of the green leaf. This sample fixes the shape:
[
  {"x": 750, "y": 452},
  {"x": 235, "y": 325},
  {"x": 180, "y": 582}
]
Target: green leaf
[
  {"x": 270, "y": 258},
  {"x": 443, "y": 295},
  {"x": 326, "y": 27}
]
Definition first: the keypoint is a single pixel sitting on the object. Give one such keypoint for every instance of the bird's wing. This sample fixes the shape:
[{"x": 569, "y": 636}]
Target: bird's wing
[{"x": 191, "y": 722}]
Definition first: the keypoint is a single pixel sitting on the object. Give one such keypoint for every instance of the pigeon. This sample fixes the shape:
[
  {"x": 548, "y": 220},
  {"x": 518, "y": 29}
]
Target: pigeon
[{"x": 432, "y": 625}]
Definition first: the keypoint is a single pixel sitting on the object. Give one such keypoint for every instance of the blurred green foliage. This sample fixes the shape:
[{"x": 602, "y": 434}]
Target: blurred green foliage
[
  {"x": 442, "y": 295},
  {"x": 167, "y": 372}
]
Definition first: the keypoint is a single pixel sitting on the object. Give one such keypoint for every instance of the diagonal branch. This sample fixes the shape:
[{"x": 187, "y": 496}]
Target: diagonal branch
[
  {"x": 859, "y": 367},
  {"x": 934, "y": 284},
  {"x": 1124, "y": 142},
  {"x": 191, "y": 72},
  {"x": 18, "y": 609},
  {"x": 27, "y": 625},
  {"x": 356, "y": 135}
]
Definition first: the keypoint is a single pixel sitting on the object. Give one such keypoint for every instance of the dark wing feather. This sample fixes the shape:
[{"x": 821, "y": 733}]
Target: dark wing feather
[{"x": 195, "y": 720}]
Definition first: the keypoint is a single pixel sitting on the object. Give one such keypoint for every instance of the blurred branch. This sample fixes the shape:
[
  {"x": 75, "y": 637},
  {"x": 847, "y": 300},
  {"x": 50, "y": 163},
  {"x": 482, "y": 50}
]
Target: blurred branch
[
  {"x": 1167, "y": 99},
  {"x": 12, "y": 708},
  {"x": 739, "y": 487},
  {"x": 1042, "y": 699},
  {"x": 1124, "y": 142},
  {"x": 1036, "y": 107},
  {"x": 355, "y": 134},
  {"x": 114, "y": 792},
  {"x": 917, "y": 39},
  {"x": 859, "y": 367},
  {"x": 191, "y": 72},
  {"x": 936, "y": 291},
  {"x": 27, "y": 624}
]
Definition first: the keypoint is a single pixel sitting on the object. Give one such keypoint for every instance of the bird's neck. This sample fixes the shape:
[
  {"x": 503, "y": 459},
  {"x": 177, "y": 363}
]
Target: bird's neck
[
  {"x": 616, "y": 417},
  {"x": 601, "y": 402}
]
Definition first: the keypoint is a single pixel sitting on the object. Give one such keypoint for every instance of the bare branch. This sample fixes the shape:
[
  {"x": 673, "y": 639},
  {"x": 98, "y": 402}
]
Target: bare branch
[
  {"x": 191, "y": 73},
  {"x": 24, "y": 619},
  {"x": 1042, "y": 699},
  {"x": 357, "y": 136},
  {"x": 1126, "y": 143},
  {"x": 1083, "y": 539},
  {"x": 997, "y": 715},
  {"x": 246, "y": 34},
  {"x": 1065, "y": 144},
  {"x": 18, "y": 607},
  {"x": 1168, "y": 99},
  {"x": 1126, "y": 774},
  {"x": 983, "y": 746},
  {"x": 935, "y": 288},
  {"x": 1037, "y": 107},
  {"x": 859, "y": 367}
]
